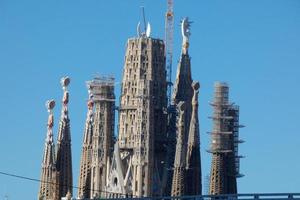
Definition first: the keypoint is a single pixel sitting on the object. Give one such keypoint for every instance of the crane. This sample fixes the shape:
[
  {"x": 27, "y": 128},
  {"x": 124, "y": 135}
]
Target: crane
[{"x": 169, "y": 29}]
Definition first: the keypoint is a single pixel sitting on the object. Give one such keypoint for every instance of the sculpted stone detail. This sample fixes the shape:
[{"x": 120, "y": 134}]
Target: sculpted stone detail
[
  {"x": 142, "y": 122},
  {"x": 48, "y": 173},
  {"x": 102, "y": 90},
  {"x": 63, "y": 153},
  {"x": 84, "y": 182},
  {"x": 157, "y": 150}
]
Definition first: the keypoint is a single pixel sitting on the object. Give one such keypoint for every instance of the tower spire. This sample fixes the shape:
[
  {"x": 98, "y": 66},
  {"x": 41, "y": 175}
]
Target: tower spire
[
  {"x": 183, "y": 84},
  {"x": 183, "y": 90},
  {"x": 193, "y": 162},
  {"x": 186, "y": 33},
  {"x": 178, "y": 184},
  {"x": 142, "y": 121},
  {"x": 102, "y": 89},
  {"x": 86, "y": 154},
  {"x": 224, "y": 145},
  {"x": 48, "y": 173},
  {"x": 64, "y": 155}
]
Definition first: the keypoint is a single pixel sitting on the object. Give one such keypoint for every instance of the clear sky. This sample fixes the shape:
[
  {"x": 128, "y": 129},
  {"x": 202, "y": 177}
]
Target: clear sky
[{"x": 254, "y": 45}]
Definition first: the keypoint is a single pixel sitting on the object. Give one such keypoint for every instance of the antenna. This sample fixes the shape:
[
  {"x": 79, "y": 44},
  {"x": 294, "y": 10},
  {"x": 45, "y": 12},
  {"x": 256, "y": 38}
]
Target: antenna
[
  {"x": 146, "y": 29},
  {"x": 144, "y": 18},
  {"x": 169, "y": 29}
]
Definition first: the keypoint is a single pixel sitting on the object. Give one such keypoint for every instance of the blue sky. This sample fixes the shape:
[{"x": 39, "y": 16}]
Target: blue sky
[{"x": 253, "y": 45}]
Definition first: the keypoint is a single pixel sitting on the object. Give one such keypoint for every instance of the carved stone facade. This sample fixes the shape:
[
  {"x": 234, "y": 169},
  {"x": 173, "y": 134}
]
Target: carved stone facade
[
  {"x": 84, "y": 182},
  {"x": 48, "y": 173},
  {"x": 102, "y": 90},
  {"x": 119, "y": 179},
  {"x": 187, "y": 164},
  {"x": 64, "y": 153},
  {"x": 178, "y": 185},
  {"x": 193, "y": 158},
  {"x": 56, "y": 178},
  {"x": 142, "y": 122},
  {"x": 157, "y": 150}
]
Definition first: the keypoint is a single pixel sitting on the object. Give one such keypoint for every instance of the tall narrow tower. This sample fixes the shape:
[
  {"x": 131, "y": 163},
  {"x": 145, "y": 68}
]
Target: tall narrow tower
[
  {"x": 102, "y": 91},
  {"x": 178, "y": 183},
  {"x": 64, "y": 154},
  {"x": 84, "y": 182},
  {"x": 142, "y": 122},
  {"x": 171, "y": 148},
  {"x": 183, "y": 90},
  {"x": 193, "y": 158},
  {"x": 225, "y": 158},
  {"x": 48, "y": 173}
]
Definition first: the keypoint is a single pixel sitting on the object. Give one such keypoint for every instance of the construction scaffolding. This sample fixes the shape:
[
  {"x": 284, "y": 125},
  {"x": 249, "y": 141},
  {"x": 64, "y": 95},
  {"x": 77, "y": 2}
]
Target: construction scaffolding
[
  {"x": 225, "y": 167},
  {"x": 101, "y": 91},
  {"x": 101, "y": 88},
  {"x": 221, "y": 132}
]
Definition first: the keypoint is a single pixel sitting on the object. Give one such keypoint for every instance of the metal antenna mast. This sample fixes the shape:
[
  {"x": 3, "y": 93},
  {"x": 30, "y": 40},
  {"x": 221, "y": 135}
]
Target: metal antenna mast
[
  {"x": 144, "y": 18},
  {"x": 169, "y": 29}
]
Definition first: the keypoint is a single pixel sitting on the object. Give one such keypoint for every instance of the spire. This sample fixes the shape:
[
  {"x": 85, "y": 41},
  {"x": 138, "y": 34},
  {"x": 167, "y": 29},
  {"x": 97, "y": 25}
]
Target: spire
[
  {"x": 182, "y": 88},
  {"x": 178, "y": 185},
  {"x": 84, "y": 182},
  {"x": 49, "y": 145},
  {"x": 102, "y": 89},
  {"x": 171, "y": 149},
  {"x": 224, "y": 143},
  {"x": 186, "y": 33},
  {"x": 48, "y": 164},
  {"x": 183, "y": 92},
  {"x": 193, "y": 139},
  {"x": 193, "y": 159},
  {"x": 63, "y": 155},
  {"x": 142, "y": 121}
]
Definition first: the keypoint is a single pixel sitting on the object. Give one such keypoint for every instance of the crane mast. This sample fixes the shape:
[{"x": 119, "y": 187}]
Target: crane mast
[{"x": 169, "y": 29}]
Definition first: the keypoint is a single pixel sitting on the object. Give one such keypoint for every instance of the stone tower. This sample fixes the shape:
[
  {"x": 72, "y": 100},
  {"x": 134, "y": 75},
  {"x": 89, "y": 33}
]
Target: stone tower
[
  {"x": 178, "y": 183},
  {"x": 193, "y": 158},
  {"x": 171, "y": 148},
  {"x": 63, "y": 153},
  {"x": 102, "y": 91},
  {"x": 84, "y": 182},
  {"x": 187, "y": 171},
  {"x": 224, "y": 147},
  {"x": 142, "y": 121},
  {"x": 183, "y": 90},
  {"x": 48, "y": 174}
]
